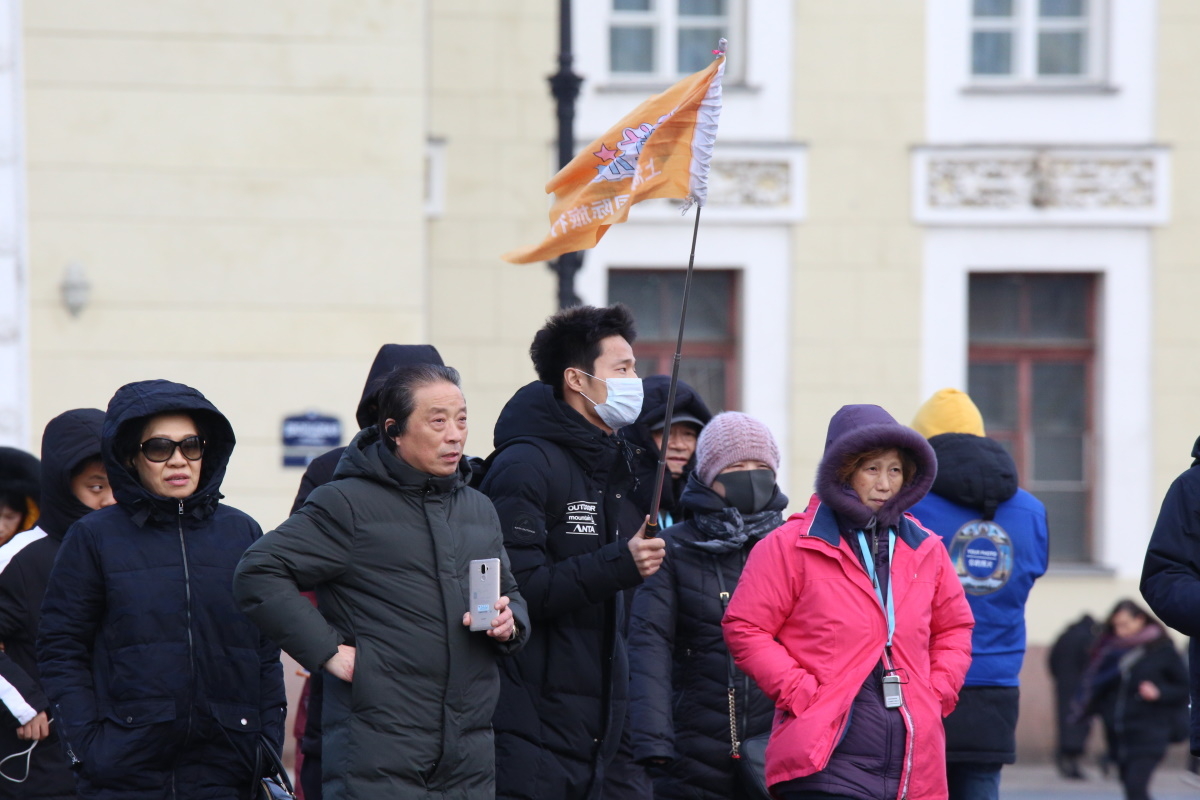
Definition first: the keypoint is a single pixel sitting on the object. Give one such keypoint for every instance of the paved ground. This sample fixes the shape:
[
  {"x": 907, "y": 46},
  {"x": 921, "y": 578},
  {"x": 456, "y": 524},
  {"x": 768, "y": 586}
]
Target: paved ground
[{"x": 1043, "y": 783}]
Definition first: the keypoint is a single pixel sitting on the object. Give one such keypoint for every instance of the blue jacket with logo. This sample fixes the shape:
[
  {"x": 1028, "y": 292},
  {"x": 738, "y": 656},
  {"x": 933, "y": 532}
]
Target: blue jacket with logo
[
  {"x": 158, "y": 684},
  {"x": 561, "y": 488},
  {"x": 977, "y": 478},
  {"x": 977, "y": 485}
]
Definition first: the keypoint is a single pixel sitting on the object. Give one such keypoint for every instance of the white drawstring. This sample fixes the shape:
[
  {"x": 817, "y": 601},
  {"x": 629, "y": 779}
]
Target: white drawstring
[{"x": 28, "y": 753}]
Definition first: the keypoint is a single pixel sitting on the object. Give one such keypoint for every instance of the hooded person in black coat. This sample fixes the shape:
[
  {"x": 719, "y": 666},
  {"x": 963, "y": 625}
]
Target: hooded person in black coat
[
  {"x": 1171, "y": 572},
  {"x": 158, "y": 684},
  {"x": 70, "y": 451},
  {"x": 689, "y": 418},
  {"x": 318, "y": 473},
  {"x": 682, "y": 672},
  {"x": 20, "y": 478}
]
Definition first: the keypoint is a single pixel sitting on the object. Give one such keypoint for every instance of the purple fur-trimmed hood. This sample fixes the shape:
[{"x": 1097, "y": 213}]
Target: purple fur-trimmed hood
[{"x": 858, "y": 429}]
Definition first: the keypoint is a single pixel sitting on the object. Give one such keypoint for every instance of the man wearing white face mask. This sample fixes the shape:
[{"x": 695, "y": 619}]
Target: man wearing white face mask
[{"x": 561, "y": 481}]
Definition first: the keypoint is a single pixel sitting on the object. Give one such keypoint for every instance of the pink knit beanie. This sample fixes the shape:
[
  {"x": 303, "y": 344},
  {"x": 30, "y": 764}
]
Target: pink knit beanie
[{"x": 732, "y": 437}]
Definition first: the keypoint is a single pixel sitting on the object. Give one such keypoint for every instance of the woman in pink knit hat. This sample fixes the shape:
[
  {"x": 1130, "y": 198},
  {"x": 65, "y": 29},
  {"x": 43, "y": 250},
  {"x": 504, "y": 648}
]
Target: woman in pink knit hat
[{"x": 688, "y": 701}]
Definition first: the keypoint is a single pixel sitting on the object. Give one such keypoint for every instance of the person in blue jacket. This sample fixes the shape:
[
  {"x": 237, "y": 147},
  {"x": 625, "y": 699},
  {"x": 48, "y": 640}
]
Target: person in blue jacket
[
  {"x": 1171, "y": 573},
  {"x": 158, "y": 684},
  {"x": 998, "y": 540}
]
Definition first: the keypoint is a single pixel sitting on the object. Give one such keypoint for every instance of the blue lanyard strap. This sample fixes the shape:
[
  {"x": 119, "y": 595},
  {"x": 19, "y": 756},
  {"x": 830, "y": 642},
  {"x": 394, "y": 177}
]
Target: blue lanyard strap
[{"x": 889, "y": 608}]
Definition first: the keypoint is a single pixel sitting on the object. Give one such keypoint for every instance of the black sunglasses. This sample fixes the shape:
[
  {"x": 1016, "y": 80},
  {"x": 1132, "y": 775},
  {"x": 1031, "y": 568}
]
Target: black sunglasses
[{"x": 159, "y": 449}]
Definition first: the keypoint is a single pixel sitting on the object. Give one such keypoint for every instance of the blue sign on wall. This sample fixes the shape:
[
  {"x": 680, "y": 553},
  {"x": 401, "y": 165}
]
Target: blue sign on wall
[{"x": 307, "y": 436}]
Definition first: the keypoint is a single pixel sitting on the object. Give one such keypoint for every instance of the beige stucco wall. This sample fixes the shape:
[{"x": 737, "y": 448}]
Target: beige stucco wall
[
  {"x": 855, "y": 321},
  {"x": 243, "y": 183},
  {"x": 491, "y": 104},
  {"x": 1177, "y": 247}
]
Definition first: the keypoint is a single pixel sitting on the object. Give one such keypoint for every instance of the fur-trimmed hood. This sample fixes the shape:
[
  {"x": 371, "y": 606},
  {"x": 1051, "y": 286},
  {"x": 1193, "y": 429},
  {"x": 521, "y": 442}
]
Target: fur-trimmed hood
[{"x": 859, "y": 429}]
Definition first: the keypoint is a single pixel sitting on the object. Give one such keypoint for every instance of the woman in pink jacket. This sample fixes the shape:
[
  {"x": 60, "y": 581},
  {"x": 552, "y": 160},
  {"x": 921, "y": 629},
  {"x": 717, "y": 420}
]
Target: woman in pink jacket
[{"x": 852, "y": 619}]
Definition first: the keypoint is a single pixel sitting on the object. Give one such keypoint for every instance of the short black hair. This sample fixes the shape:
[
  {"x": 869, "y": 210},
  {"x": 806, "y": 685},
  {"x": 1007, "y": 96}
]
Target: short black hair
[
  {"x": 396, "y": 396},
  {"x": 571, "y": 338}
]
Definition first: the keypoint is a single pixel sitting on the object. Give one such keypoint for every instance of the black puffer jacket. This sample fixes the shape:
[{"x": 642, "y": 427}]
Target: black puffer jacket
[
  {"x": 70, "y": 439},
  {"x": 158, "y": 683},
  {"x": 680, "y": 666},
  {"x": 387, "y": 549},
  {"x": 561, "y": 487},
  {"x": 641, "y": 438},
  {"x": 1171, "y": 572}
]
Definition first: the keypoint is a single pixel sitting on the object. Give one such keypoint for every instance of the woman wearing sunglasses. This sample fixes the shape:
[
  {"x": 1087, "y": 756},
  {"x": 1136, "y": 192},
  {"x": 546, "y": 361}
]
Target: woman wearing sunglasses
[{"x": 158, "y": 685}]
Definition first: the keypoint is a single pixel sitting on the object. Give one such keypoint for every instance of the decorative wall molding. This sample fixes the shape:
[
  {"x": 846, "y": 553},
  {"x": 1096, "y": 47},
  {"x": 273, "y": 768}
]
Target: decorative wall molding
[
  {"x": 1048, "y": 186},
  {"x": 763, "y": 183}
]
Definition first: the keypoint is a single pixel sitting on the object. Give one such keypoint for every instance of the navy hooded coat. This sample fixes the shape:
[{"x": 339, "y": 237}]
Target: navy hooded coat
[
  {"x": 158, "y": 683},
  {"x": 1171, "y": 572},
  {"x": 70, "y": 440}
]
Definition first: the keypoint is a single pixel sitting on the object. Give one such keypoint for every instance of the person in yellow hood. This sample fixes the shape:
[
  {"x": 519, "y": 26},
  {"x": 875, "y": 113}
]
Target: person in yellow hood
[{"x": 997, "y": 536}]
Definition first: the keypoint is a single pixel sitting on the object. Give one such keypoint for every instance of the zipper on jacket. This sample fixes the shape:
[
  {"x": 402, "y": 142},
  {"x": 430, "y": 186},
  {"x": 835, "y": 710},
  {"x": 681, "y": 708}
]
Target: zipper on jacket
[
  {"x": 58, "y": 712},
  {"x": 890, "y": 665},
  {"x": 187, "y": 593}
]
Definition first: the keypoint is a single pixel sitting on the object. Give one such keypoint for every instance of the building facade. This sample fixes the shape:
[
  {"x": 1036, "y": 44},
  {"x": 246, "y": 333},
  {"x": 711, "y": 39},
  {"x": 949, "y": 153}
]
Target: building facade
[{"x": 906, "y": 195}]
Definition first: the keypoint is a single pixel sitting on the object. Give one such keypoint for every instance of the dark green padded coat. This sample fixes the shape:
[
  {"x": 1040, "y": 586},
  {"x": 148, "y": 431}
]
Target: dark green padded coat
[{"x": 386, "y": 547}]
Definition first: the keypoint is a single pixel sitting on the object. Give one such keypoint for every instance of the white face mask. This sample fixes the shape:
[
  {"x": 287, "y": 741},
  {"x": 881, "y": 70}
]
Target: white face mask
[{"x": 624, "y": 401}]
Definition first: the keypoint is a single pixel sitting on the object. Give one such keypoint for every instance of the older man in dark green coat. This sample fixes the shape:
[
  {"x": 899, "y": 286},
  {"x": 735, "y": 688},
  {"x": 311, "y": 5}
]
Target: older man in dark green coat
[{"x": 387, "y": 546}]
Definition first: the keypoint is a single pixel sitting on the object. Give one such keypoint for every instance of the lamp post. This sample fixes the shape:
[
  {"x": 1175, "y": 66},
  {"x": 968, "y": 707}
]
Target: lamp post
[{"x": 564, "y": 86}]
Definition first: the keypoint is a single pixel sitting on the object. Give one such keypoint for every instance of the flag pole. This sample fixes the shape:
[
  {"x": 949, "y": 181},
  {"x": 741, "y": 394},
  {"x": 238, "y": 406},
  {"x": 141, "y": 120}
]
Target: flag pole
[{"x": 660, "y": 473}]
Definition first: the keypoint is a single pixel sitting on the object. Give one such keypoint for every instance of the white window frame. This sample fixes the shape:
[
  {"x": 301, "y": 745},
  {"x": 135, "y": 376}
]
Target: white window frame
[
  {"x": 664, "y": 19},
  {"x": 1025, "y": 24},
  {"x": 1122, "y": 257}
]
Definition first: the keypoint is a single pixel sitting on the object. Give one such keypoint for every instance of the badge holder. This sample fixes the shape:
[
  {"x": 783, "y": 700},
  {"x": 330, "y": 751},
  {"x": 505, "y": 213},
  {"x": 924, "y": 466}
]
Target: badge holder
[{"x": 893, "y": 696}]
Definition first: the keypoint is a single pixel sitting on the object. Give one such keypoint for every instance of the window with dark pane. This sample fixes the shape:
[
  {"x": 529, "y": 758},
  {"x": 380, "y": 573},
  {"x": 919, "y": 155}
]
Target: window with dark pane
[
  {"x": 710, "y": 346},
  {"x": 1030, "y": 371}
]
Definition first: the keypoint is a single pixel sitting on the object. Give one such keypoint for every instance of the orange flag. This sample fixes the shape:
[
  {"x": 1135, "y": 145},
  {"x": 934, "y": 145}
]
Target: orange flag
[{"x": 661, "y": 149}]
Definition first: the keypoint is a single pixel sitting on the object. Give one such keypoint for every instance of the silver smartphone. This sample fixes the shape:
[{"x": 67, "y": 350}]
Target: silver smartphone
[{"x": 484, "y": 580}]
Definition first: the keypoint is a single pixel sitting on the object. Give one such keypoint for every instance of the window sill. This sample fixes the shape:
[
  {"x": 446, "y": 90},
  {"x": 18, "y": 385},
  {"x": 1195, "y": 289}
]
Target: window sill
[
  {"x": 1066, "y": 570},
  {"x": 655, "y": 87},
  {"x": 1041, "y": 88}
]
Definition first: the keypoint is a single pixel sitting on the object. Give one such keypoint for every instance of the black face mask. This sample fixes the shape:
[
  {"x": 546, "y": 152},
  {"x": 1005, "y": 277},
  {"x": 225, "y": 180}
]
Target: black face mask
[{"x": 748, "y": 491}]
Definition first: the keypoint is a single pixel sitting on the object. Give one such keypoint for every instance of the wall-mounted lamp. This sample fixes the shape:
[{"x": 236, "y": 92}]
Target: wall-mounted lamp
[{"x": 76, "y": 289}]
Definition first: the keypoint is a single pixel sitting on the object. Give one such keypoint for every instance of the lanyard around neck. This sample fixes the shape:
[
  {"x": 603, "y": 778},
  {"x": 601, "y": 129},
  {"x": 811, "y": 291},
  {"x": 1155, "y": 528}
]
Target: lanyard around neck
[{"x": 889, "y": 608}]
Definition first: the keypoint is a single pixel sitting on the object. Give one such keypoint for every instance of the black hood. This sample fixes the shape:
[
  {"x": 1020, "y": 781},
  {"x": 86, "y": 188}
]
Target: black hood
[
  {"x": 127, "y": 414},
  {"x": 70, "y": 439},
  {"x": 535, "y": 411},
  {"x": 21, "y": 473},
  {"x": 654, "y": 408},
  {"x": 1196, "y": 454},
  {"x": 640, "y": 435},
  {"x": 973, "y": 471},
  {"x": 389, "y": 357}
]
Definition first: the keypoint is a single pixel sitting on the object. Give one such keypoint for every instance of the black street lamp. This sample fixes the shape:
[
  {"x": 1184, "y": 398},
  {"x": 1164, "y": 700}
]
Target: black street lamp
[{"x": 564, "y": 86}]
